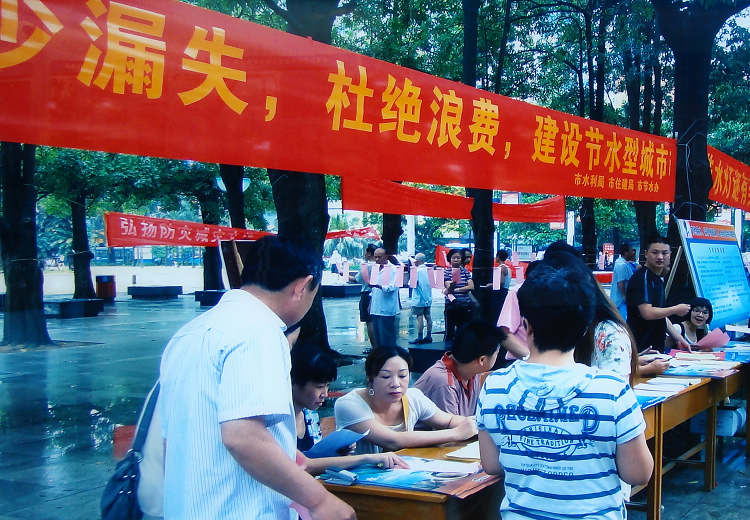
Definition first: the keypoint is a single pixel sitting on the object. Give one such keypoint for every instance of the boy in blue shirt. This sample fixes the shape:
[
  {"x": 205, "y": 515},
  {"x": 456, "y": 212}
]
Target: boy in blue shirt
[{"x": 562, "y": 432}]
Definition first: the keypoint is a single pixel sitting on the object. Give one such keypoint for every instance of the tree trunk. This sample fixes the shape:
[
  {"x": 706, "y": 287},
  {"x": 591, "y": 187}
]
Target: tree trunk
[
  {"x": 690, "y": 32},
  {"x": 83, "y": 284},
  {"x": 392, "y": 230},
  {"x": 588, "y": 230},
  {"x": 24, "y": 322},
  {"x": 232, "y": 177},
  {"x": 481, "y": 212},
  {"x": 300, "y": 198},
  {"x": 302, "y": 212},
  {"x": 212, "y": 279}
]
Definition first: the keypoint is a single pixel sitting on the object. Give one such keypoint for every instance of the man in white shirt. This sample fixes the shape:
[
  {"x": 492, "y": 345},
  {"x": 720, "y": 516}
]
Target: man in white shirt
[
  {"x": 384, "y": 307},
  {"x": 226, "y": 404}
]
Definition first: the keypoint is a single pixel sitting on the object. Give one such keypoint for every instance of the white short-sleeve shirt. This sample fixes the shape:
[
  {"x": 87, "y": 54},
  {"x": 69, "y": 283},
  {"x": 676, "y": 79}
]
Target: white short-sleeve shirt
[
  {"x": 231, "y": 362},
  {"x": 352, "y": 409}
]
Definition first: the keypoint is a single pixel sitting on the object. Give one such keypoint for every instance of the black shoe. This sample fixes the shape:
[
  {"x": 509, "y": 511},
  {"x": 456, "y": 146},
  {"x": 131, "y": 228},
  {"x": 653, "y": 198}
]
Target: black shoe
[
  {"x": 417, "y": 341},
  {"x": 428, "y": 339}
]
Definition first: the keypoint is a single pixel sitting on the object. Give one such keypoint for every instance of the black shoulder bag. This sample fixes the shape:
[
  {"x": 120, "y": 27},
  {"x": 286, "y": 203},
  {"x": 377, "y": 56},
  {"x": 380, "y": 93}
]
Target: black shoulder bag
[{"x": 120, "y": 498}]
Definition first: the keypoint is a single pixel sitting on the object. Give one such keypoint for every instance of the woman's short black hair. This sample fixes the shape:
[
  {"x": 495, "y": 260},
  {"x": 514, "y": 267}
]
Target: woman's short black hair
[
  {"x": 558, "y": 303},
  {"x": 311, "y": 364},
  {"x": 455, "y": 251},
  {"x": 379, "y": 355},
  {"x": 701, "y": 302}
]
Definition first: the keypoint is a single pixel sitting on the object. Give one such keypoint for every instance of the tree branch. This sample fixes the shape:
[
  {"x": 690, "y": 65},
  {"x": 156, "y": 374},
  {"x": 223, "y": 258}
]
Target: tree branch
[{"x": 345, "y": 9}]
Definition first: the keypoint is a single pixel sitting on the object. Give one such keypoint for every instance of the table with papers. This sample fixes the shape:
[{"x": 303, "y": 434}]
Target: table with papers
[{"x": 480, "y": 498}]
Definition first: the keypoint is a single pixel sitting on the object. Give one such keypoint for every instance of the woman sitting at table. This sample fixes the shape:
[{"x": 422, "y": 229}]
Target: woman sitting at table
[
  {"x": 388, "y": 409},
  {"x": 312, "y": 372},
  {"x": 694, "y": 326}
]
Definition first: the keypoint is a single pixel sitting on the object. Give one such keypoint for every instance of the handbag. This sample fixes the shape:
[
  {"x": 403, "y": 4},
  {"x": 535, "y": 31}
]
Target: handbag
[{"x": 120, "y": 498}]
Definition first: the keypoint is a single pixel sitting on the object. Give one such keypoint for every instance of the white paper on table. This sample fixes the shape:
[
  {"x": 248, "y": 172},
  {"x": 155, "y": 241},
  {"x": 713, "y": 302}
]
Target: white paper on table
[
  {"x": 656, "y": 387},
  {"x": 413, "y": 277},
  {"x": 470, "y": 451},
  {"x": 714, "y": 339},
  {"x": 434, "y": 465},
  {"x": 683, "y": 381},
  {"x": 738, "y": 328},
  {"x": 655, "y": 391},
  {"x": 497, "y": 278},
  {"x": 399, "y": 276}
]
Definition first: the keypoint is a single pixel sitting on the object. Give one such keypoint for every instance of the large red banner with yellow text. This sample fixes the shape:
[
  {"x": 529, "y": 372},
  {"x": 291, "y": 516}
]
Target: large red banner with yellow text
[
  {"x": 731, "y": 179},
  {"x": 163, "y": 78}
]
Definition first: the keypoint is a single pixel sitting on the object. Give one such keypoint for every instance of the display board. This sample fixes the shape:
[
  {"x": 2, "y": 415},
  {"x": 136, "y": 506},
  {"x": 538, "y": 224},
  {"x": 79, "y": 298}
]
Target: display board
[{"x": 716, "y": 268}]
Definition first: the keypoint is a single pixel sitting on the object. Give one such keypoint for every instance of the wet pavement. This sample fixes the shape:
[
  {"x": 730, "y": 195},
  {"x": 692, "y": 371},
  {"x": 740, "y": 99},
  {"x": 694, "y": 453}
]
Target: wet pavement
[{"x": 59, "y": 407}]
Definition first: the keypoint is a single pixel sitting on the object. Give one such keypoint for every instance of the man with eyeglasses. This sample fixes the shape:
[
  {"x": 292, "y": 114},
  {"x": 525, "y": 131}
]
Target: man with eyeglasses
[{"x": 647, "y": 315}]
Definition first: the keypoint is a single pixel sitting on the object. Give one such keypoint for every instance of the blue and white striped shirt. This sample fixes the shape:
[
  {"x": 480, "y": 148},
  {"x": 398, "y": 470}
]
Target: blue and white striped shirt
[
  {"x": 557, "y": 431},
  {"x": 231, "y": 362}
]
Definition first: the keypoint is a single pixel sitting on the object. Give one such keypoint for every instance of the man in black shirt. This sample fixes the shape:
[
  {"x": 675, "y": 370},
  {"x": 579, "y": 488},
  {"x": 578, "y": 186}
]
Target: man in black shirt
[{"x": 645, "y": 298}]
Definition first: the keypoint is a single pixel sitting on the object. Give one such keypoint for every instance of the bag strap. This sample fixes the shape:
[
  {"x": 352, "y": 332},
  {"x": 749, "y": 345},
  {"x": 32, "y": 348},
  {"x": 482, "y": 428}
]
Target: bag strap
[
  {"x": 145, "y": 422},
  {"x": 405, "y": 403}
]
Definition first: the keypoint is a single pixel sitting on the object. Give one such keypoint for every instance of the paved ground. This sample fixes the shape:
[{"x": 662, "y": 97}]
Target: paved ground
[{"x": 59, "y": 406}]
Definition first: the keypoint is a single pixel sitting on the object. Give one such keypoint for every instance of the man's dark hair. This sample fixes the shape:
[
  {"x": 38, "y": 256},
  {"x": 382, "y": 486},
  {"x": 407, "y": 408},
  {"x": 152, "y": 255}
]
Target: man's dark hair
[
  {"x": 502, "y": 255},
  {"x": 558, "y": 304},
  {"x": 273, "y": 263},
  {"x": 311, "y": 364},
  {"x": 655, "y": 239},
  {"x": 560, "y": 247},
  {"x": 371, "y": 249},
  {"x": 379, "y": 355},
  {"x": 475, "y": 339},
  {"x": 625, "y": 248}
]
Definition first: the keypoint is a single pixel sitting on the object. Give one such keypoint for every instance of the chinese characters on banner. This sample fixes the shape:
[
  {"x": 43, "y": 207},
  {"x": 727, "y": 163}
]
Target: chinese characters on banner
[
  {"x": 731, "y": 178},
  {"x": 167, "y": 79},
  {"x": 135, "y": 230},
  {"x": 124, "y": 230}
]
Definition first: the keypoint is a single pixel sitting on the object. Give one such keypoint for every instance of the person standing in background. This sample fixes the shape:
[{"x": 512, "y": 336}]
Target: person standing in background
[
  {"x": 422, "y": 301},
  {"x": 625, "y": 267}
]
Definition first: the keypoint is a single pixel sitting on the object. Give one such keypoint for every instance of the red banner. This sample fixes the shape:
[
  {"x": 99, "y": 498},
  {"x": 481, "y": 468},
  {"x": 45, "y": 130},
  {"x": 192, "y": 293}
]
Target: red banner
[
  {"x": 135, "y": 230},
  {"x": 547, "y": 210},
  {"x": 365, "y": 232},
  {"x": 390, "y": 197},
  {"x": 167, "y": 79},
  {"x": 731, "y": 179},
  {"x": 125, "y": 230}
]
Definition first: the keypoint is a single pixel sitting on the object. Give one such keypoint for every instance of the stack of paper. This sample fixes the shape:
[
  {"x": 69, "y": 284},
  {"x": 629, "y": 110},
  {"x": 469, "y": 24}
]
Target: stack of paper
[{"x": 470, "y": 451}]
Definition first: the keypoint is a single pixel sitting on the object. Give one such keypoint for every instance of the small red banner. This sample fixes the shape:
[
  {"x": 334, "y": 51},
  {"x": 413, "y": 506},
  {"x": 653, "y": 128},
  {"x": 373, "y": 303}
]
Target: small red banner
[
  {"x": 167, "y": 79},
  {"x": 365, "y": 232},
  {"x": 390, "y": 197},
  {"x": 135, "y": 230},
  {"x": 125, "y": 230},
  {"x": 731, "y": 178}
]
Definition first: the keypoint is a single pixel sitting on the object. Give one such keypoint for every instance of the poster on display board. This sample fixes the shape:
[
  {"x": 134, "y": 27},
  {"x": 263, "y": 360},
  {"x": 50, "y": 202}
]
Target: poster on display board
[{"x": 716, "y": 268}]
